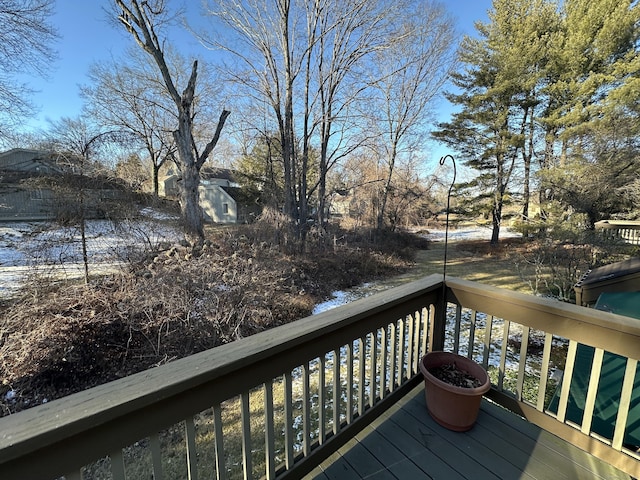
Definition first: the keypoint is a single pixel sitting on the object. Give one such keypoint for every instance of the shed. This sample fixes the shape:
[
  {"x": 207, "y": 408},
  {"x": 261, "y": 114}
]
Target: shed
[
  {"x": 221, "y": 197},
  {"x": 616, "y": 277},
  {"x": 609, "y": 382}
]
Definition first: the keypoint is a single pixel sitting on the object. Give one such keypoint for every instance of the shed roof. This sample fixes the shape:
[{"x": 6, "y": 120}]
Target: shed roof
[
  {"x": 621, "y": 276},
  {"x": 611, "y": 271},
  {"x": 242, "y": 196},
  {"x": 208, "y": 172}
]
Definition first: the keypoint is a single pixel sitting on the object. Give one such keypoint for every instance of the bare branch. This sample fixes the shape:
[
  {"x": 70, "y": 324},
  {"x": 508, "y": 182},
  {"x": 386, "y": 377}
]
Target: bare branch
[
  {"x": 26, "y": 47},
  {"x": 214, "y": 141}
]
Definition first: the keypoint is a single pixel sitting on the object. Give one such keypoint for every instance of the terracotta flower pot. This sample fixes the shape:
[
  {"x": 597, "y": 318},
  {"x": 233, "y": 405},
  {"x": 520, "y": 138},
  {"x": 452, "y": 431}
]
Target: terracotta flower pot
[{"x": 453, "y": 407}]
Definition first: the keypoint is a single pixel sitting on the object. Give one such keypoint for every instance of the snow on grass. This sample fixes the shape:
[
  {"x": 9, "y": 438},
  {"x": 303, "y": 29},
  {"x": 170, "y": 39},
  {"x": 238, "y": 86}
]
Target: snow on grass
[
  {"x": 469, "y": 233},
  {"x": 44, "y": 247}
]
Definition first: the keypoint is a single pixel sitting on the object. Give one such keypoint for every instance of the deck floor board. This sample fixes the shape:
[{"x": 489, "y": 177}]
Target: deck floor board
[
  {"x": 405, "y": 442},
  {"x": 389, "y": 454},
  {"x": 500, "y": 436}
]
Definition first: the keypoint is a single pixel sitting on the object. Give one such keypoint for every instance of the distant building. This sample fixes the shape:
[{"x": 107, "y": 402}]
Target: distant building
[
  {"x": 34, "y": 162},
  {"x": 221, "y": 197},
  {"x": 37, "y": 185},
  {"x": 339, "y": 203}
]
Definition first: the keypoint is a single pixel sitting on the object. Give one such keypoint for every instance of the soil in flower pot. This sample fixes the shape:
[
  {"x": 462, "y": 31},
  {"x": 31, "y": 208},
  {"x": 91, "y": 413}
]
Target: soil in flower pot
[
  {"x": 450, "y": 373},
  {"x": 453, "y": 400}
]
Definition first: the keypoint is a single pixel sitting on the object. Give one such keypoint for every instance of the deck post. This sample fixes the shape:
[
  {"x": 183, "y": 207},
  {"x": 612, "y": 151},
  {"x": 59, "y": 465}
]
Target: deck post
[{"x": 437, "y": 334}]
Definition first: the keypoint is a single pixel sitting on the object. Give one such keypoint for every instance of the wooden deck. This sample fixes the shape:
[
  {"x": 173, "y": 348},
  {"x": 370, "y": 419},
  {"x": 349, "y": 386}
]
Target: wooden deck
[
  {"x": 405, "y": 443},
  {"x": 214, "y": 406}
]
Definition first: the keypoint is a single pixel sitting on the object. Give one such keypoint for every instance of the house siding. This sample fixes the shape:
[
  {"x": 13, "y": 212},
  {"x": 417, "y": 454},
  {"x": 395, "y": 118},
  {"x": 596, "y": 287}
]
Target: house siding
[
  {"x": 18, "y": 201},
  {"x": 32, "y": 161},
  {"x": 18, "y": 204},
  {"x": 221, "y": 198},
  {"x": 213, "y": 200},
  {"x": 22, "y": 204}
]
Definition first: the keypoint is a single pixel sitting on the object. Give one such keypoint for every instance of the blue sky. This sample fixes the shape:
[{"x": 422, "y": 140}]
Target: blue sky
[{"x": 87, "y": 36}]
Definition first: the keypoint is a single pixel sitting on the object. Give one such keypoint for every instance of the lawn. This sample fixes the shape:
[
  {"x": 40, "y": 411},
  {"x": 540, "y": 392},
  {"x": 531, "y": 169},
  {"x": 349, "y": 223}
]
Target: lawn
[{"x": 472, "y": 260}]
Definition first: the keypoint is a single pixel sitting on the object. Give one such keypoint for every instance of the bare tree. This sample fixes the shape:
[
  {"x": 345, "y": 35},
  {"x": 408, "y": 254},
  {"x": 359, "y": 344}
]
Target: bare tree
[
  {"x": 143, "y": 19},
  {"x": 304, "y": 59},
  {"x": 26, "y": 46},
  {"x": 351, "y": 34},
  {"x": 76, "y": 143},
  {"x": 131, "y": 97},
  {"x": 409, "y": 75},
  {"x": 270, "y": 64}
]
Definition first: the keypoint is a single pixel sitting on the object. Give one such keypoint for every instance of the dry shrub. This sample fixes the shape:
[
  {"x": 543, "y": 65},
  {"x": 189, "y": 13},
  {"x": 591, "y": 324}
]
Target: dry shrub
[
  {"x": 274, "y": 229},
  {"x": 172, "y": 305},
  {"x": 176, "y": 305}
]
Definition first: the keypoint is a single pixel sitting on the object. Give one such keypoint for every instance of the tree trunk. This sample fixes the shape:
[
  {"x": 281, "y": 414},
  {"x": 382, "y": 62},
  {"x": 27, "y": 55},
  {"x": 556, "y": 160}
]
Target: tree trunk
[
  {"x": 383, "y": 205},
  {"x": 526, "y": 191},
  {"x": 592, "y": 218},
  {"x": 323, "y": 214},
  {"x": 498, "y": 203},
  {"x": 189, "y": 194},
  {"x": 527, "y": 157},
  {"x": 387, "y": 186},
  {"x": 156, "y": 183},
  {"x": 190, "y": 206},
  {"x": 83, "y": 238},
  {"x": 496, "y": 215},
  {"x": 288, "y": 136}
]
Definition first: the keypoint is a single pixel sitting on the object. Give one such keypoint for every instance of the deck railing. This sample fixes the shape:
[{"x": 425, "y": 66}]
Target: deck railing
[
  {"x": 256, "y": 407},
  {"x": 569, "y": 369},
  {"x": 276, "y": 404},
  {"x": 619, "y": 231}
]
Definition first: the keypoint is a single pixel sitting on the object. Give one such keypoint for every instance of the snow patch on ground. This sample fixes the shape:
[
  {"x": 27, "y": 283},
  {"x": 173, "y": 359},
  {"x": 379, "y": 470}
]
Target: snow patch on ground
[
  {"x": 342, "y": 297},
  {"x": 29, "y": 247},
  {"x": 44, "y": 247},
  {"x": 468, "y": 233}
]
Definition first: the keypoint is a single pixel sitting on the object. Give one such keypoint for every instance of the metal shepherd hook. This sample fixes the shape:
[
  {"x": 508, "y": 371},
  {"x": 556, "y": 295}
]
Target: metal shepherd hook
[
  {"x": 438, "y": 333},
  {"x": 446, "y": 228}
]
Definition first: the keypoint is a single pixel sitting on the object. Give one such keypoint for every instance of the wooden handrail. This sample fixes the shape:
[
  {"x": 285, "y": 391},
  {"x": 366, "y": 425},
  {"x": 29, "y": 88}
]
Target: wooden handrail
[
  {"x": 63, "y": 435},
  {"x": 611, "y": 332},
  {"x": 614, "y": 224},
  {"x": 619, "y": 230},
  {"x": 352, "y": 363},
  {"x": 605, "y": 334}
]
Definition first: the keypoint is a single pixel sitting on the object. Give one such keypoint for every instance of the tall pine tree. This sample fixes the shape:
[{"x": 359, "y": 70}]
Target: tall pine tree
[
  {"x": 592, "y": 119},
  {"x": 499, "y": 95}
]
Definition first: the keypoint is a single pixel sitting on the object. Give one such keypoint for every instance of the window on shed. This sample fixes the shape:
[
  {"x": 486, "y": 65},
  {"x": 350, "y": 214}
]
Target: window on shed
[{"x": 225, "y": 208}]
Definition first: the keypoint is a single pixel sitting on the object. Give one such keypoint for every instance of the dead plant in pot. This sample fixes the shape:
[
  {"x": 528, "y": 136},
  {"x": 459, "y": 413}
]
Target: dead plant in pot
[{"x": 454, "y": 386}]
